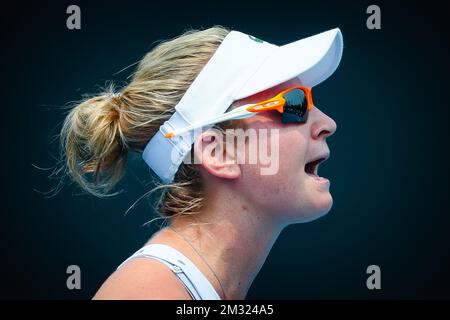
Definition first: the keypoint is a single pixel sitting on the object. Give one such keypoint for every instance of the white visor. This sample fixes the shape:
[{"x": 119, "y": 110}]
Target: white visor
[{"x": 241, "y": 66}]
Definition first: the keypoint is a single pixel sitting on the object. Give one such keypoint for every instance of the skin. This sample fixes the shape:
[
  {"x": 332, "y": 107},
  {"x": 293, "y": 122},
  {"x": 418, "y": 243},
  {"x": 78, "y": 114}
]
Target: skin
[{"x": 244, "y": 211}]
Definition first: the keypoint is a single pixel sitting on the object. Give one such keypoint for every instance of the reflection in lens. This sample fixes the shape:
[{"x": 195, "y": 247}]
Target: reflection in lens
[{"x": 296, "y": 107}]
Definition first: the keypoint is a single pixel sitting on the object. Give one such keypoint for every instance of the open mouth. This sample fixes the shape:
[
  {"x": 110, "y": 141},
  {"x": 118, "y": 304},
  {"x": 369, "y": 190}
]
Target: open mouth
[{"x": 312, "y": 167}]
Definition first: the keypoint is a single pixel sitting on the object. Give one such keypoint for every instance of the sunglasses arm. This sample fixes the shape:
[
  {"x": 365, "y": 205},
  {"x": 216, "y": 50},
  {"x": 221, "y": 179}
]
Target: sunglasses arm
[{"x": 238, "y": 113}]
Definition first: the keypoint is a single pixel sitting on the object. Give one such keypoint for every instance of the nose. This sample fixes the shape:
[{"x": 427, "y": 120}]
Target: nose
[{"x": 323, "y": 126}]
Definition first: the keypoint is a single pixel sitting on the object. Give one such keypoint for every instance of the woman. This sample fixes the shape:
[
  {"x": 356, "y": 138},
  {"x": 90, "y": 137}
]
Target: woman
[{"x": 224, "y": 211}]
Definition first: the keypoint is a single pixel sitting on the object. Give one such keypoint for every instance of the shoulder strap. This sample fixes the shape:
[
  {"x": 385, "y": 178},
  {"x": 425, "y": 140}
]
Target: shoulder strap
[{"x": 192, "y": 278}]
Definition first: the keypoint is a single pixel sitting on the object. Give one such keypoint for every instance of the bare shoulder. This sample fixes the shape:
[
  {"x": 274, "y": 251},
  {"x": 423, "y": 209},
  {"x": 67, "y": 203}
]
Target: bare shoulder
[{"x": 143, "y": 278}]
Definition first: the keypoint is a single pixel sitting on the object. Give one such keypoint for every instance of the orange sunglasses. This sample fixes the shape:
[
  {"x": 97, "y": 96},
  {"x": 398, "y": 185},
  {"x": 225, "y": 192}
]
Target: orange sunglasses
[{"x": 294, "y": 105}]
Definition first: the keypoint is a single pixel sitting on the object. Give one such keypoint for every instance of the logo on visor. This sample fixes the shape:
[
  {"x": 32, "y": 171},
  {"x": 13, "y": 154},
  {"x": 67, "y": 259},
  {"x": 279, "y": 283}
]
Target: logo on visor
[{"x": 255, "y": 39}]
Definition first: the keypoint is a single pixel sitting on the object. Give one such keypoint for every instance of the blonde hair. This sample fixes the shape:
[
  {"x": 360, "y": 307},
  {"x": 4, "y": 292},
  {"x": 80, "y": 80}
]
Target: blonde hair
[{"x": 98, "y": 133}]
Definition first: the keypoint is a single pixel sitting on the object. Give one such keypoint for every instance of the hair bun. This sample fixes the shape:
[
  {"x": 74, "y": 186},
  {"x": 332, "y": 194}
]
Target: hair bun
[{"x": 93, "y": 142}]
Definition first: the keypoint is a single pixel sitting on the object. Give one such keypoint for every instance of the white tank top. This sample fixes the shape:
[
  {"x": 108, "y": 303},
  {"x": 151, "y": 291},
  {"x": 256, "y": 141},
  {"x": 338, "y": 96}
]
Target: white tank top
[{"x": 192, "y": 278}]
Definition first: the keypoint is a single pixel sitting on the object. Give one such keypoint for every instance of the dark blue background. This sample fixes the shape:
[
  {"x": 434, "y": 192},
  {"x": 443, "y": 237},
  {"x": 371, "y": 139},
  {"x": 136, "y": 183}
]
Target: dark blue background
[{"x": 388, "y": 166}]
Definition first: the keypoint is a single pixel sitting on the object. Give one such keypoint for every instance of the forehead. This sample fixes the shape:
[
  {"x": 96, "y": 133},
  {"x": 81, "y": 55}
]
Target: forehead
[{"x": 269, "y": 93}]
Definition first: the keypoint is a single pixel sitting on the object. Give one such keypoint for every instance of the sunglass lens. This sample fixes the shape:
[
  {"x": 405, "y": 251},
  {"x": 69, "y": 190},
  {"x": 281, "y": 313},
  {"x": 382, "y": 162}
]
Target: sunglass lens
[{"x": 296, "y": 106}]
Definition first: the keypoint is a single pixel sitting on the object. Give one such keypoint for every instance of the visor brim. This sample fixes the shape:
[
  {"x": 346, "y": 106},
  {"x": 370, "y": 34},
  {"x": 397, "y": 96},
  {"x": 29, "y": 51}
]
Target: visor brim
[{"x": 312, "y": 60}]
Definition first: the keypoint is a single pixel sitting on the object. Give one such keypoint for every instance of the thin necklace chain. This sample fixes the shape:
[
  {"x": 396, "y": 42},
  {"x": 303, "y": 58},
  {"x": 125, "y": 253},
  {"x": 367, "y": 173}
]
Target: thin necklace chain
[{"x": 204, "y": 260}]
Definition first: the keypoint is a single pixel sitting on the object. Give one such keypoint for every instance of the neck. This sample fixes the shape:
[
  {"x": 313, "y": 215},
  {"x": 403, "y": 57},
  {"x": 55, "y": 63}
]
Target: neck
[{"x": 234, "y": 240}]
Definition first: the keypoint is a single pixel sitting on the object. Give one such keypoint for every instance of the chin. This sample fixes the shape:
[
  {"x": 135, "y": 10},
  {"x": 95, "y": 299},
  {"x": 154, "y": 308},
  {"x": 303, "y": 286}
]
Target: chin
[
  {"x": 324, "y": 208},
  {"x": 317, "y": 209}
]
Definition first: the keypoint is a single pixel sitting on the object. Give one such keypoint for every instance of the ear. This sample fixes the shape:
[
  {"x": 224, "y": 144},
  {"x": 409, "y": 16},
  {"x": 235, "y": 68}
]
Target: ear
[{"x": 211, "y": 152}]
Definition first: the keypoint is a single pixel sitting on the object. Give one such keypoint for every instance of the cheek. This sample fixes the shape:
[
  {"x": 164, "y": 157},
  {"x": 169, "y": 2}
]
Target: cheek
[
  {"x": 288, "y": 193},
  {"x": 292, "y": 155},
  {"x": 285, "y": 183},
  {"x": 293, "y": 152},
  {"x": 291, "y": 177}
]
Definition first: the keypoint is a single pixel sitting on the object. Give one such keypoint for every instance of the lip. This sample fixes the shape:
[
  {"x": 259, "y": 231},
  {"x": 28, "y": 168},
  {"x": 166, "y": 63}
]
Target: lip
[
  {"x": 323, "y": 156},
  {"x": 312, "y": 166}
]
